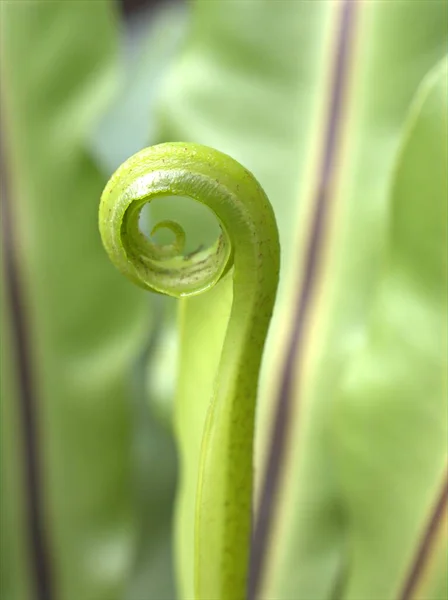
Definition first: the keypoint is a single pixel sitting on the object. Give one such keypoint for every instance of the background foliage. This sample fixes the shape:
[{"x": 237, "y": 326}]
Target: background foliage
[{"x": 339, "y": 108}]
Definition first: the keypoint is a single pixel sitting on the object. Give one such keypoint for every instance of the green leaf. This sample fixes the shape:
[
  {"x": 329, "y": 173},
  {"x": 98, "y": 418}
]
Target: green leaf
[
  {"x": 389, "y": 421},
  {"x": 14, "y": 580},
  {"x": 148, "y": 43},
  {"x": 393, "y": 46},
  {"x": 203, "y": 319},
  {"x": 86, "y": 331}
]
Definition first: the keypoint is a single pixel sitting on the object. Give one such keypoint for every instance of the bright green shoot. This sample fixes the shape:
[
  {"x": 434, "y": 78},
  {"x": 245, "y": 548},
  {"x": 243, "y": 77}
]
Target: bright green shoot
[{"x": 248, "y": 243}]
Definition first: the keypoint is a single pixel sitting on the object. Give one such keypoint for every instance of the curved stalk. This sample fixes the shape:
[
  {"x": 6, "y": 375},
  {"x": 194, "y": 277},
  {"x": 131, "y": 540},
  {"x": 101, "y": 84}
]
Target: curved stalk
[{"x": 248, "y": 243}]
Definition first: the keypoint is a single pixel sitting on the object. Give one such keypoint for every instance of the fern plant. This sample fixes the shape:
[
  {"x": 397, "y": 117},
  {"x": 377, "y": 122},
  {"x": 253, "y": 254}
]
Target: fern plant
[{"x": 146, "y": 452}]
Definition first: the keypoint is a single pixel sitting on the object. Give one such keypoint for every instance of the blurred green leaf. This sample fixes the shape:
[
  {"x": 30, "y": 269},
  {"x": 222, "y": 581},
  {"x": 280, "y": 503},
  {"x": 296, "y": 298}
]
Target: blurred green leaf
[
  {"x": 87, "y": 329},
  {"x": 390, "y": 420},
  {"x": 149, "y": 41},
  {"x": 394, "y": 45},
  {"x": 14, "y": 580},
  {"x": 203, "y": 319}
]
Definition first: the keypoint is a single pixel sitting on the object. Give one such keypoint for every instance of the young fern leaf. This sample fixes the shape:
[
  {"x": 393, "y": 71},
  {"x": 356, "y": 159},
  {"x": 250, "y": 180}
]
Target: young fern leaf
[{"x": 248, "y": 243}]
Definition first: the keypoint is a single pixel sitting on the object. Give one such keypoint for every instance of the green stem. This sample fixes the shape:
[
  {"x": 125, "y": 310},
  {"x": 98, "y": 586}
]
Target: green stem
[{"x": 249, "y": 243}]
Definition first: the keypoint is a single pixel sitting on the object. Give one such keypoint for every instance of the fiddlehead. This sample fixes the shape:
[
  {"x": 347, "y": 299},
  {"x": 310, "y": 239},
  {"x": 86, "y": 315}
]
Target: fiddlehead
[{"x": 249, "y": 244}]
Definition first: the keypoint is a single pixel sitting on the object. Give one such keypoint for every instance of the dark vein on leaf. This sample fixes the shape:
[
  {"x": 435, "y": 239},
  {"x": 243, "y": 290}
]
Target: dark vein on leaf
[
  {"x": 37, "y": 539},
  {"x": 427, "y": 543},
  {"x": 294, "y": 357}
]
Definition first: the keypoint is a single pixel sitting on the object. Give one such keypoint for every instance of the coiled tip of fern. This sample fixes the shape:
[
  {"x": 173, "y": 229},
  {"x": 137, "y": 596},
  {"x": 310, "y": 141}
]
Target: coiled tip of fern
[{"x": 158, "y": 172}]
